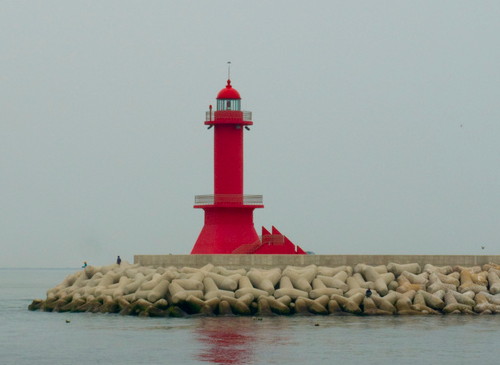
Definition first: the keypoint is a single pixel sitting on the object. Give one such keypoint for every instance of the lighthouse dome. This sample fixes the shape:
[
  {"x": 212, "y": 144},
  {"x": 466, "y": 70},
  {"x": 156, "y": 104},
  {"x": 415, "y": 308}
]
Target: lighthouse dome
[{"x": 228, "y": 92}]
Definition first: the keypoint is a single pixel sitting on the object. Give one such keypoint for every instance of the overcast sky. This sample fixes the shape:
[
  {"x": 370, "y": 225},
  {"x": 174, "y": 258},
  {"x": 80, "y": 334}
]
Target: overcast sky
[{"x": 376, "y": 124}]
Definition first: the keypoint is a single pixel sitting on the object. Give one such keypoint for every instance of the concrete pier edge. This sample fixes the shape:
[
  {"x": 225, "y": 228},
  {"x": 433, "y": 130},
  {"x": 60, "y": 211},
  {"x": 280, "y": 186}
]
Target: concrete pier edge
[{"x": 281, "y": 261}]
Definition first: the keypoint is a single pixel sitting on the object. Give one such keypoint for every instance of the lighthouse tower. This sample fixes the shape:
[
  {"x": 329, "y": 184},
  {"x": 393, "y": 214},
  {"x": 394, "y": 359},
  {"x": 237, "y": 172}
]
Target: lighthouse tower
[{"x": 229, "y": 226}]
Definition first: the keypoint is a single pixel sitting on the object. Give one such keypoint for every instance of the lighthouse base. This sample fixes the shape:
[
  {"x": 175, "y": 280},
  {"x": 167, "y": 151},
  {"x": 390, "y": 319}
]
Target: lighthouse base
[
  {"x": 225, "y": 229},
  {"x": 230, "y": 230}
]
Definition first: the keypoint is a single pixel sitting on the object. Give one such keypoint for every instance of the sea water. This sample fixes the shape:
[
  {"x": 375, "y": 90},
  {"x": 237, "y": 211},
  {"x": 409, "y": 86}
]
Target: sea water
[{"x": 73, "y": 338}]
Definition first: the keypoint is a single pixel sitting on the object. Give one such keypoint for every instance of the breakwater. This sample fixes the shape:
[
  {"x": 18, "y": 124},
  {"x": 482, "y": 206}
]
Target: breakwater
[
  {"x": 360, "y": 289},
  {"x": 233, "y": 261}
]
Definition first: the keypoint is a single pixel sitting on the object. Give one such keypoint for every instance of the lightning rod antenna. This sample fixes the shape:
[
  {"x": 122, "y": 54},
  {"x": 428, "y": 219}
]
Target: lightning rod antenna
[{"x": 229, "y": 70}]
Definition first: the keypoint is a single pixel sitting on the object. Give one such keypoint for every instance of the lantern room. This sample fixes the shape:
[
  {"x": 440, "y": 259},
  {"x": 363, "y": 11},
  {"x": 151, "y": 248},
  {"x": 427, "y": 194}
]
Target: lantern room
[{"x": 228, "y": 98}]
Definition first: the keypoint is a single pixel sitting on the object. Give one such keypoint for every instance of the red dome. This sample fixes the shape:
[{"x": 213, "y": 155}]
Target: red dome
[{"x": 228, "y": 92}]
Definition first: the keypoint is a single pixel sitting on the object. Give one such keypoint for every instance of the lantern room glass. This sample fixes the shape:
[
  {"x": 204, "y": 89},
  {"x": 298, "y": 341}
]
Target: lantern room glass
[{"x": 228, "y": 104}]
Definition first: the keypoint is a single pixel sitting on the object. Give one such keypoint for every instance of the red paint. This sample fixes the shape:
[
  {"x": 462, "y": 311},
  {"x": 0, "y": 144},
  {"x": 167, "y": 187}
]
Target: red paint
[
  {"x": 229, "y": 224},
  {"x": 270, "y": 244},
  {"x": 228, "y": 159},
  {"x": 228, "y": 92},
  {"x": 225, "y": 230},
  {"x": 276, "y": 243}
]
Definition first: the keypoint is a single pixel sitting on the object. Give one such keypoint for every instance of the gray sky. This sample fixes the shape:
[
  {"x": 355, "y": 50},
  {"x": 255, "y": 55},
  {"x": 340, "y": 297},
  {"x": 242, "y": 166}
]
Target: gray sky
[{"x": 376, "y": 124}]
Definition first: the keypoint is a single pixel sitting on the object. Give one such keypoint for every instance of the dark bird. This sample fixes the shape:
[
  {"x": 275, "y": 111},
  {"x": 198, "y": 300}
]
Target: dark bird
[
  {"x": 68, "y": 321},
  {"x": 482, "y": 247},
  {"x": 368, "y": 293}
]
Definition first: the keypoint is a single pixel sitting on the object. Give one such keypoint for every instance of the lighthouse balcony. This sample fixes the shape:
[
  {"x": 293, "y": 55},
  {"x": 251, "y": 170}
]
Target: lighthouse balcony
[
  {"x": 228, "y": 117},
  {"x": 228, "y": 200}
]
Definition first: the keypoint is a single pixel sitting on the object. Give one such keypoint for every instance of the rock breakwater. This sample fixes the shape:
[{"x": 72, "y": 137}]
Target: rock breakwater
[{"x": 404, "y": 289}]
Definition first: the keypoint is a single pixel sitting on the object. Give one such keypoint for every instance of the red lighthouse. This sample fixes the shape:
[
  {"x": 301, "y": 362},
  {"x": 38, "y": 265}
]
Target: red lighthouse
[{"x": 229, "y": 226}]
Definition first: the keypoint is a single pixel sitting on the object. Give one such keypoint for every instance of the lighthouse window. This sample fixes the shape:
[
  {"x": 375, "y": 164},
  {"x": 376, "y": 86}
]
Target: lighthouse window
[{"x": 228, "y": 104}]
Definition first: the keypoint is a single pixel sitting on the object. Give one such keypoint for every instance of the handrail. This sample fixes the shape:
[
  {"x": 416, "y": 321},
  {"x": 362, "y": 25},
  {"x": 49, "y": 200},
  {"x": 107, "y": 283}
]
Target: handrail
[
  {"x": 212, "y": 115},
  {"x": 267, "y": 239},
  {"x": 247, "y": 115},
  {"x": 228, "y": 199},
  {"x": 247, "y": 248},
  {"x": 273, "y": 239}
]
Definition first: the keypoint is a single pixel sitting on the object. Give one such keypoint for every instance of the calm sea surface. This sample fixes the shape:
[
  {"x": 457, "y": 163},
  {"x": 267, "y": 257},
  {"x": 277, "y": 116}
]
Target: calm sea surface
[{"x": 45, "y": 338}]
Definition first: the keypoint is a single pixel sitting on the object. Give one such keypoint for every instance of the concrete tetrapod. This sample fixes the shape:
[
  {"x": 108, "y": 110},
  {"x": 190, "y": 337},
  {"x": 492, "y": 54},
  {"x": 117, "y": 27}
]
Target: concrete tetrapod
[
  {"x": 484, "y": 306},
  {"x": 349, "y": 305},
  {"x": 263, "y": 307},
  {"x": 404, "y": 304},
  {"x": 225, "y": 308},
  {"x": 468, "y": 284},
  {"x": 405, "y": 285},
  {"x": 246, "y": 287},
  {"x": 370, "y": 308},
  {"x": 334, "y": 307},
  {"x": 384, "y": 304},
  {"x": 331, "y": 271},
  {"x": 453, "y": 307},
  {"x": 301, "y": 277},
  {"x": 359, "y": 268},
  {"x": 195, "y": 305},
  {"x": 361, "y": 281},
  {"x": 279, "y": 306},
  {"x": 316, "y": 306},
  {"x": 422, "y": 278},
  {"x": 189, "y": 284},
  {"x": 212, "y": 290},
  {"x": 299, "y": 282},
  {"x": 229, "y": 283},
  {"x": 445, "y": 270},
  {"x": 239, "y": 306},
  {"x": 287, "y": 289},
  {"x": 494, "y": 281},
  {"x": 437, "y": 285},
  {"x": 320, "y": 289},
  {"x": 264, "y": 279},
  {"x": 464, "y": 298},
  {"x": 432, "y": 300},
  {"x": 158, "y": 292},
  {"x": 480, "y": 278},
  {"x": 229, "y": 272},
  {"x": 419, "y": 304},
  {"x": 493, "y": 299},
  {"x": 178, "y": 294},
  {"x": 147, "y": 291},
  {"x": 379, "y": 278},
  {"x": 453, "y": 278},
  {"x": 397, "y": 269}
]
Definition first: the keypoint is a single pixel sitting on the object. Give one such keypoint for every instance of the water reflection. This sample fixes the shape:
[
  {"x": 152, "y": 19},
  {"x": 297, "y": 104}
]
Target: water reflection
[
  {"x": 243, "y": 340},
  {"x": 227, "y": 340},
  {"x": 234, "y": 340}
]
